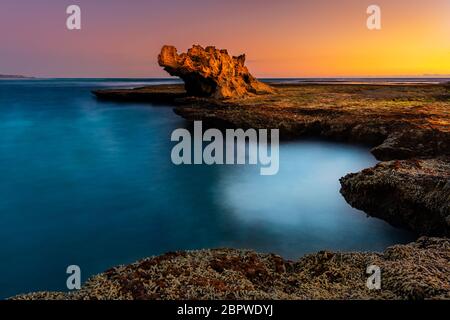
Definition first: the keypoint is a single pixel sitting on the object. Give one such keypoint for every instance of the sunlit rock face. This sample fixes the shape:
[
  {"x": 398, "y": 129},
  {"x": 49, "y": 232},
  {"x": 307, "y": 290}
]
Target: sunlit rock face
[{"x": 210, "y": 72}]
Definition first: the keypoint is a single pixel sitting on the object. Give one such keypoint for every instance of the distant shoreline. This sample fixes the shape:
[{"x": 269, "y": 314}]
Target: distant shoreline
[{"x": 12, "y": 76}]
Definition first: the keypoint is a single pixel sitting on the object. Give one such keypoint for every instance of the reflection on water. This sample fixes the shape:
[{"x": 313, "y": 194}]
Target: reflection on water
[{"x": 91, "y": 183}]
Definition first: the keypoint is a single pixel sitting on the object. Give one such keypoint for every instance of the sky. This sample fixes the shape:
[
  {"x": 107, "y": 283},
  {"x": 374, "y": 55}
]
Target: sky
[{"x": 283, "y": 38}]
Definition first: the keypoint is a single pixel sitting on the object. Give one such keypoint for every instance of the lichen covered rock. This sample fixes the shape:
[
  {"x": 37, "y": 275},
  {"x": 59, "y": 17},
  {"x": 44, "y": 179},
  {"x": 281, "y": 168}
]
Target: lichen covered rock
[
  {"x": 412, "y": 193},
  {"x": 418, "y": 270},
  {"x": 211, "y": 72}
]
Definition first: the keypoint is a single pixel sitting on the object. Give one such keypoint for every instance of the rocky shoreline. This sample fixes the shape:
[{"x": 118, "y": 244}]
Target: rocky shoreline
[
  {"x": 408, "y": 128},
  {"x": 399, "y": 122},
  {"x": 413, "y": 194},
  {"x": 418, "y": 270},
  {"x": 409, "y": 123}
]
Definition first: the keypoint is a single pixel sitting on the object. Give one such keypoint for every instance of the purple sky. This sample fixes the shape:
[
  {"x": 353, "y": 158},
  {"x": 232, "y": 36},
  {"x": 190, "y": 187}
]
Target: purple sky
[{"x": 284, "y": 38}]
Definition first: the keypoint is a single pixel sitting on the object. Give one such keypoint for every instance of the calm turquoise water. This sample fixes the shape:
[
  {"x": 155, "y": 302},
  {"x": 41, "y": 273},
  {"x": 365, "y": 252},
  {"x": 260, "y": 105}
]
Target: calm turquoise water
[{"x": 91, "y": 183}]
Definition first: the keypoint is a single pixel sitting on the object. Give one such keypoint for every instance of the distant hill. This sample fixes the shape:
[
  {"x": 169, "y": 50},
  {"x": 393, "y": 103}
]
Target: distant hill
[{"x": 12, "y": 76}]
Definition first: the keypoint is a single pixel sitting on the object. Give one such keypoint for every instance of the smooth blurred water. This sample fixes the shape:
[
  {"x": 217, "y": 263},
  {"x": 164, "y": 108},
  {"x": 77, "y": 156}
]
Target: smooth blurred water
[{"x": 91, "y": 183}]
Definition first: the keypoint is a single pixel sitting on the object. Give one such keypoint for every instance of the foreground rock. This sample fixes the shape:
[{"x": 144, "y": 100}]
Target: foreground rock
[
  {"x": 410, "y": 193},
  {"x": 211, "y": 72},
  {"x": 418, "y": 270}
]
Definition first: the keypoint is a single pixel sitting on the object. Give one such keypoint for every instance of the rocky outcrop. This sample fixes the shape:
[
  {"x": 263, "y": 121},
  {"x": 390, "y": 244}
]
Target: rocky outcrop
[
  {"x": 211, "y": 72},
  {"x": 415, "y": 271},
  {"x": 411, "y": 193}
]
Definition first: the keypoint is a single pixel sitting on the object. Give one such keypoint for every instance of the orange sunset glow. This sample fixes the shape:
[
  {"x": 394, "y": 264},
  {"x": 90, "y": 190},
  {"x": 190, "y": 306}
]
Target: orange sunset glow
[{"x": 280, "y": 38}]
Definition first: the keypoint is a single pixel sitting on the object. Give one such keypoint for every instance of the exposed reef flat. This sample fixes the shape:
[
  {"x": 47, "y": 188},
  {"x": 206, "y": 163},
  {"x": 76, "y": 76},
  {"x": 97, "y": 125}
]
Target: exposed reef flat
[
  {"x": 154, "y": 94},
  {"x": 399, "y": 122},
  {"x": 418, "y": 270}
]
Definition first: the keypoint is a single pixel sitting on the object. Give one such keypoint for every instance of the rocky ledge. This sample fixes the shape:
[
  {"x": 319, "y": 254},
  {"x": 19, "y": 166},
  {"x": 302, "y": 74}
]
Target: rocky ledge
[
  {"x": 418, "y": 270},
  {"x": 154, "y": 94},
  {"x": 410, "y": 123},
  {"x": 399, "y": 122},
  {"x": 414, "y": 194}
]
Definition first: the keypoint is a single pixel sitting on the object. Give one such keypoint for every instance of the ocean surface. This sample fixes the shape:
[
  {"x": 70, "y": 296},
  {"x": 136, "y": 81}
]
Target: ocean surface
[
  {"x": 373, "y": 80},
  {"x": 91, "y": 183}
]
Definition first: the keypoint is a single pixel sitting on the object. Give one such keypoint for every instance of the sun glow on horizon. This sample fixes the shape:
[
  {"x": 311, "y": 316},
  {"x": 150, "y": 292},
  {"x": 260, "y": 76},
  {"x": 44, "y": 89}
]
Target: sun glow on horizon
[{"x": 282, "y": 39}]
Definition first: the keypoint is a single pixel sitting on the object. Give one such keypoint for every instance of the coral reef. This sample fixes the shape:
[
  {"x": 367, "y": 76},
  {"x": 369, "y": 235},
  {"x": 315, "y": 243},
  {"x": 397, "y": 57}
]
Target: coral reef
[{"x": 418, "y": 270}]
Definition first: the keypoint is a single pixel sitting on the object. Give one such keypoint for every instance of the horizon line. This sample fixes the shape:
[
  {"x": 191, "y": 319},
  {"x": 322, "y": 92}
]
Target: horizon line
[{"x": 443, "y": 76}]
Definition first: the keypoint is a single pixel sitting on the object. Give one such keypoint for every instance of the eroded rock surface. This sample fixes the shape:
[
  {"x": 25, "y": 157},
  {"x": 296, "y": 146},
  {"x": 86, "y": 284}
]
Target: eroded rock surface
[
  {"x": 210, "y": 72},
  {"x": 412, "y": 193},
  {"x": 399, "y": 121},
  {"x": 415, "y": 271}
]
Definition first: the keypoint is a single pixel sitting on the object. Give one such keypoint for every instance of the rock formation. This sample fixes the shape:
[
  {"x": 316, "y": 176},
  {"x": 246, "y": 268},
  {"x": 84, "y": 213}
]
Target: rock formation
[{"x": 211, "y": 72}]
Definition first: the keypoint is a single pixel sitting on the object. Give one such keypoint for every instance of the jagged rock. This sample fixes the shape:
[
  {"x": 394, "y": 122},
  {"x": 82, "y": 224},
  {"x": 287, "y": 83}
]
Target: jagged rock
[
  {"x": 411, "y": 193},
  {"x": 211, "y": 72}
]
